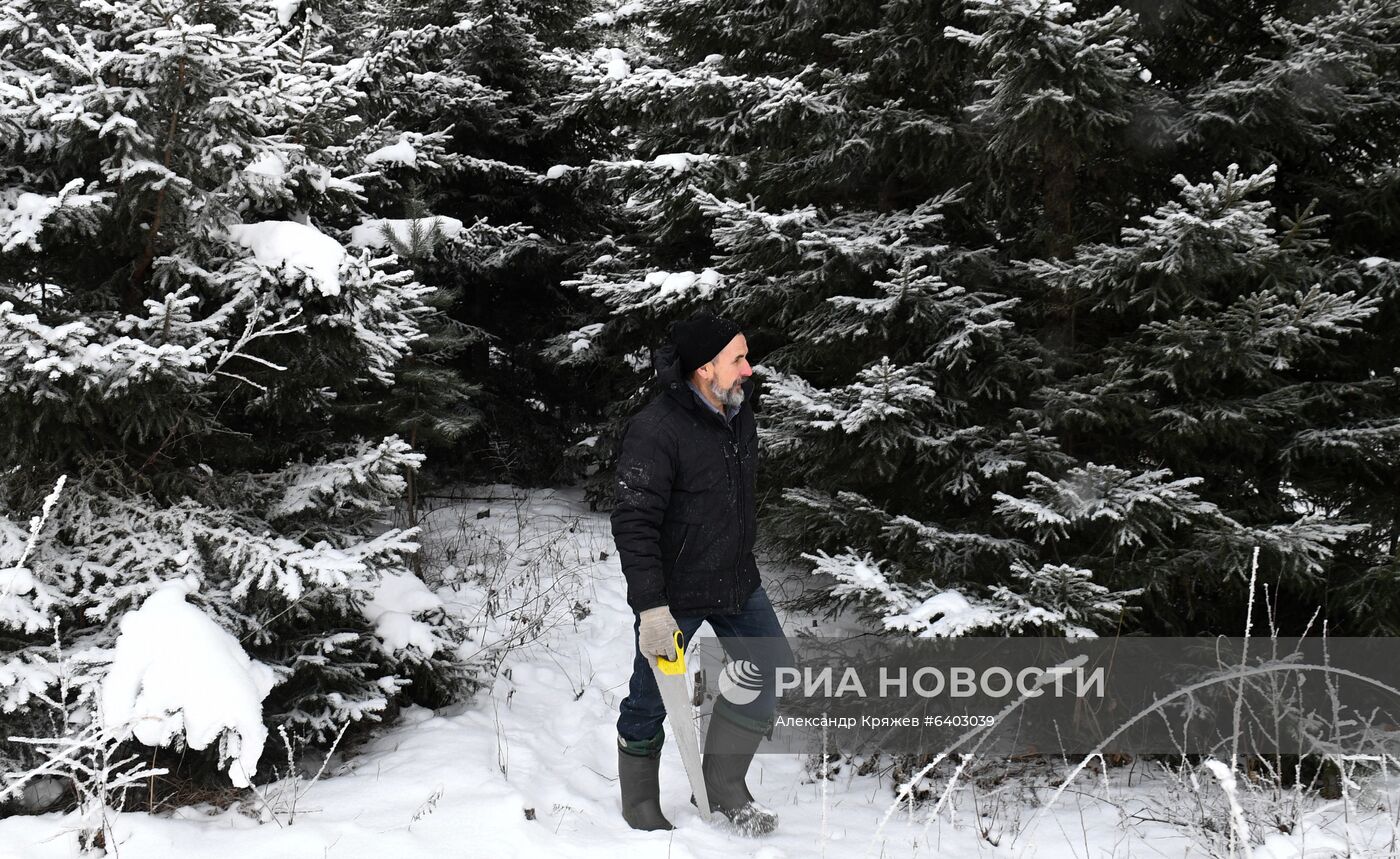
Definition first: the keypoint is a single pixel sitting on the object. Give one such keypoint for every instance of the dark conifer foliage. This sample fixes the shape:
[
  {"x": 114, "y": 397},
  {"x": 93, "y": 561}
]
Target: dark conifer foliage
[{"x": 1061, "y": 308}]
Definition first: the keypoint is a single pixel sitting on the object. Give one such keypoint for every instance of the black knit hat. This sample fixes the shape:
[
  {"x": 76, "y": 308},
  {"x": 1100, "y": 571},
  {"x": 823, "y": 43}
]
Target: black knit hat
[{"x": 700, "y": 338}]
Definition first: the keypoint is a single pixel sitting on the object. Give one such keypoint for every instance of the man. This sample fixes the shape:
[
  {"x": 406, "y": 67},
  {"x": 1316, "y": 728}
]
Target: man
[{"x": 684, "y": 528}]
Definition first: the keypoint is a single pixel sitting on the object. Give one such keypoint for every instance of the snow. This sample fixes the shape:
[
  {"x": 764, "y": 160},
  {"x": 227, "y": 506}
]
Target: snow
[
  {"x": 1226, "y": 776},
  {"x": 529, "y": 767},
  {"x": 268, "y": 164},
  {"x": 350, "y": 70},
  {"x": 615, "y": 61},
  {"x": 397, "y": 598},
  {"x": 16, "y": 580},
  {"x": 16, "y": 608},
  {"x": 370, "y": 234},
  {"x": 117, "y": 121},
  {"x": 285, "y": 10},
  {"x": 608, "y": 18},
  {"x": 955, "y": 616},
  {"x": 558, "y": 170},
  {"x": 656, "y": 290},
  {"x": 676, "y": 283},
  {"x": 177, "y": 673},
  {"x": 680, "y": 162},
  {"x": 397, "y": 153},
  {"x": 301, "y": 246},
  {"x": 581, "y": 340},
  {"x": 22, "y": 213},
  {"x": 1372, "y": 262}
]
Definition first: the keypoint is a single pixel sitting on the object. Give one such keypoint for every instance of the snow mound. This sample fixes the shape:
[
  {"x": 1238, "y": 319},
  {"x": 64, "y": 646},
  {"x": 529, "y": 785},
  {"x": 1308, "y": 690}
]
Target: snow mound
[
  {"x": 285, "y": 10},
  {"x": 615, "y": 61},
  {"x": 175, "y": 672},
  {"x": 396, "y": 599},
  {"x": 397, "y": 153},
  {"x": 268, "y": 164},
  {"x": 955, "y": 616},
  {"x": 303, "y": 247},
  {"x": 680, "y": 162},
  {"x": 670, "y": 284}
]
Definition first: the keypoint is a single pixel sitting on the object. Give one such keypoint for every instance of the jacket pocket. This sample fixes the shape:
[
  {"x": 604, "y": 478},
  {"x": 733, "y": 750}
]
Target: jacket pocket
[{"x": 693, "y": 506}]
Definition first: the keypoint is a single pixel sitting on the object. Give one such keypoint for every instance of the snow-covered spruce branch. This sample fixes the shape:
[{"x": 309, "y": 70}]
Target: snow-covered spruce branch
[
  {"x": 252, "y": 332},
  {"x": 1053, "y": 598},
  {"x": 24, "y": 602}
]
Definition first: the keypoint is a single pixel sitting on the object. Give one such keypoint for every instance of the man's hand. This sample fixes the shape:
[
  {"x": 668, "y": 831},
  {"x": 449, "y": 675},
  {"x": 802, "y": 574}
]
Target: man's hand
[{"x": 657, "y": 635}]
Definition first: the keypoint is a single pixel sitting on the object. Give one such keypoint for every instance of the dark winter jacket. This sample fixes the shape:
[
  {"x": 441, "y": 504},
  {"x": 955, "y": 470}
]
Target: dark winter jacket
[{"x": 684, "y": 521}]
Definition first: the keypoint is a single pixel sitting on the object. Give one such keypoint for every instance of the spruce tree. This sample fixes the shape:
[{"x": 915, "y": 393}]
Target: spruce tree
[
  {"x": 1056, "y": 320},
  {"x": 470, "y": 87},
  {"x": 185, "y": 329}
]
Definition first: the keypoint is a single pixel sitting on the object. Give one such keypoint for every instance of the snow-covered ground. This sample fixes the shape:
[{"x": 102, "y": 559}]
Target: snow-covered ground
[{"x": 528, "y": 767}]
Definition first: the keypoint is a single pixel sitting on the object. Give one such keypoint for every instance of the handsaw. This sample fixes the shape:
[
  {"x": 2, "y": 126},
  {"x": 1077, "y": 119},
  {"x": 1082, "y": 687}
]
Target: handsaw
[{"x": 670, "y": 679}]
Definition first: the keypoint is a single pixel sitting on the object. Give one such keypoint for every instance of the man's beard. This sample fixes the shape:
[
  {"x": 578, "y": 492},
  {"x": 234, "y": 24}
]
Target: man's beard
[{"x": 733, "y": 397}]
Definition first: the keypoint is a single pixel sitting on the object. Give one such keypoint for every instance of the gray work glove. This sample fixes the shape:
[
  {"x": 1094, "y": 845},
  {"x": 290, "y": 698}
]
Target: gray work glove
[{"x": 657, "y": 635}]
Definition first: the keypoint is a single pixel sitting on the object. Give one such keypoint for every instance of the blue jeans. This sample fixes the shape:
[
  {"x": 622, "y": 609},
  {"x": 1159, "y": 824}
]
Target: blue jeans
[{"x": 753, "y": 634}]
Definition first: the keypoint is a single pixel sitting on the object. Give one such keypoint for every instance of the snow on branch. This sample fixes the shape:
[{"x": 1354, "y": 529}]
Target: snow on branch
[
  {"x": 1052, "y": 599},
  {"x": 177, "y": 676},
  {"x": 359, "y": 480},
  {"x": 1133, "y": 507},
  {"x": 654, "y": 291},
  {"x": 23, "y": 214}
]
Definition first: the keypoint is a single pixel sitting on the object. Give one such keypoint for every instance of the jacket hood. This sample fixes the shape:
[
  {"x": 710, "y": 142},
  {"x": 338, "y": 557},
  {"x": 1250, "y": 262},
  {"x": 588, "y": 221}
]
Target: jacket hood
[{"x": 667, "y": 364}]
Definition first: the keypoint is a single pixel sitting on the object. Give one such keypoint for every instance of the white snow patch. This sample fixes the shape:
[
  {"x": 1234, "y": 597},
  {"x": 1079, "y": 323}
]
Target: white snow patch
[
  {"x": 615, "y": 61},
  {"x": 956, "y": 615},
  {"x": 370, "y": 234},
  {"x": 268, "y": 164},
  {"x": 677, "y": 283},
  {"x": 396, "y": 599},
  {"x": 528, "y": 765},
  {"x": 22, "y": 214},
  {"x": 680, "y": 162},
  {"x": 175, "y": 672},
  {"x": 558, "y": 170},
  {"x": 285, "y": 10},
  {"x": 301, "y": 246},
  {"x": 607, "y": 19},
  {"x": 397, "y": 153},
  {"x": 581, "y": 340}
]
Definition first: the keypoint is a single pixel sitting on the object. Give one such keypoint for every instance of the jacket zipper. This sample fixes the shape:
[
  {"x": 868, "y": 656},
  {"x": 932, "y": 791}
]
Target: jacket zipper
[{"x": 739, "y": 494}]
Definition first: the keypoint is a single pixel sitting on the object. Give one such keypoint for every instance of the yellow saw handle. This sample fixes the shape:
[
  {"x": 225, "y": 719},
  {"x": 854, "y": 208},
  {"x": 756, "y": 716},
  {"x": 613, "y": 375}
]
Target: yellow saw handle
[{"x": 677, "y": 665}]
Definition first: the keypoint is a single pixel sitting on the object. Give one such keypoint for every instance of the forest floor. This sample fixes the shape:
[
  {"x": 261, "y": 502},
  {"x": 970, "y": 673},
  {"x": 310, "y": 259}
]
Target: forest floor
[{"x": 527, "y": 767}]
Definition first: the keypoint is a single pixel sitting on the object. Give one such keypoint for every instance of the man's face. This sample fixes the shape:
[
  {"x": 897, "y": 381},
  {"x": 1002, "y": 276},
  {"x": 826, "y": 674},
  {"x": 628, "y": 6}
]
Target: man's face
[{"x": 724, "y": 376}]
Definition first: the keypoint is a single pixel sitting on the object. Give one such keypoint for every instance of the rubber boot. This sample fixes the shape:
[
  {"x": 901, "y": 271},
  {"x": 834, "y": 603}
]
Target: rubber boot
[
  {"x": 729, "y": 749},
  {"x": 639, "y": 776}
]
